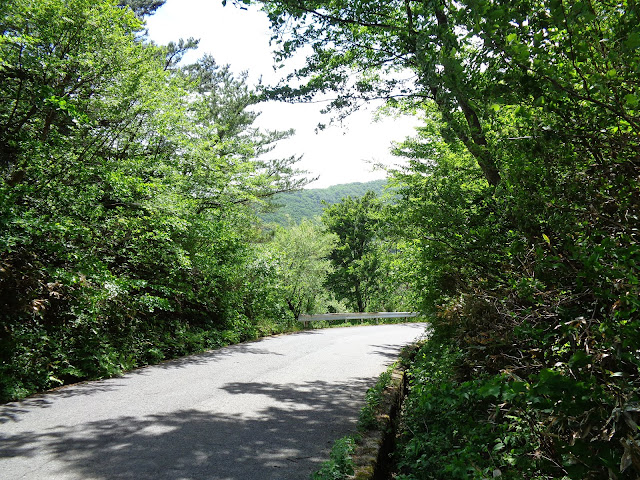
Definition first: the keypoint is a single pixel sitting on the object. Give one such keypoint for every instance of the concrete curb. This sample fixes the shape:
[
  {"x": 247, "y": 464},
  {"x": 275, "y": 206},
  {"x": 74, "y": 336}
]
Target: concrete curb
[{"x": 371, "y": 456}]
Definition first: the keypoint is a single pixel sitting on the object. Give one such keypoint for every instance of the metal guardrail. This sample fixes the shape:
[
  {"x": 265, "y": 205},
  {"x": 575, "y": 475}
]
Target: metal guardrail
[{"x": 306, "y": 319}]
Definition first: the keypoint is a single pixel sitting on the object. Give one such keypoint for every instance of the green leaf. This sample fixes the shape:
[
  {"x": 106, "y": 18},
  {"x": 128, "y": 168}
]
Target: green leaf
[
  {"x": 633, "y": 41},
  {"x": 631, "y": 100},
  {"x": 579, "y": 359},
  {"x": 492, "y": 389}
]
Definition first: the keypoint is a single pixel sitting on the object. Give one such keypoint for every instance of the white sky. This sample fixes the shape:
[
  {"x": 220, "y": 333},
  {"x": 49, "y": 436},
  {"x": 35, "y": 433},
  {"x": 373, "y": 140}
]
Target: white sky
[{"x": 341, "y": 153}]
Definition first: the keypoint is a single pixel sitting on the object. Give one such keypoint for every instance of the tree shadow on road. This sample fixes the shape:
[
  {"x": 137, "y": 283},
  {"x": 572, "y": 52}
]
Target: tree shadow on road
[
  {"x": 11, "y": 411},
  {"x": 211, "y": 356},
  {"x": 392, "y": 352},
  {"x": 287, "y": 441}
]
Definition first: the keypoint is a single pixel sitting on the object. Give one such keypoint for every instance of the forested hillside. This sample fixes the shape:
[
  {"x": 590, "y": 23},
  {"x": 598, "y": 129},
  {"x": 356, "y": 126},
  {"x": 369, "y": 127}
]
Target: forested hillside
[{"x": 308, "y": 203}]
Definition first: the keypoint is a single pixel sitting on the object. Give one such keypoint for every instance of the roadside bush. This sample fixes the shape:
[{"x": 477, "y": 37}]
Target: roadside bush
[
  {"x": 451, "y": 430},
  {"x": 339, "y": 466}
]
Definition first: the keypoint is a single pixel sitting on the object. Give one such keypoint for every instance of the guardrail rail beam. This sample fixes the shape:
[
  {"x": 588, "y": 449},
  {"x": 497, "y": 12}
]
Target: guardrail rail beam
[{"x": 306, "y": 319}]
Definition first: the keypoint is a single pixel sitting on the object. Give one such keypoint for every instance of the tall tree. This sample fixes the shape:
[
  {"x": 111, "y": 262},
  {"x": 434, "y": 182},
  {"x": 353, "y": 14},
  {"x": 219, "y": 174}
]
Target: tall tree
[
  {"x": 394, "y": 50},
  {"x": 227, "y": 160},
  {"x": 355, "y": 222}
]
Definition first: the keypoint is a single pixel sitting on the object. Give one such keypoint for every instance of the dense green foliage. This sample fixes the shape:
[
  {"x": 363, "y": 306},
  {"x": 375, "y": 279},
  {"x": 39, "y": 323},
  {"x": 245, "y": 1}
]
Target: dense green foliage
[
  {"x": 310, "y": 203},
  {"x": 352, "y": 261},
  {"x": 124, "y": 184},
  {"x": 521, "y": 200},
  {"x": 369, "y": 262},
  {"x": 446, "y": 432},
  {"x": 302, "y": 252}
]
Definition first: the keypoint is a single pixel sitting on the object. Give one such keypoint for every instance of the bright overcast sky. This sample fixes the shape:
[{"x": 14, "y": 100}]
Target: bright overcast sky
[{"x": 341, "y": 153}]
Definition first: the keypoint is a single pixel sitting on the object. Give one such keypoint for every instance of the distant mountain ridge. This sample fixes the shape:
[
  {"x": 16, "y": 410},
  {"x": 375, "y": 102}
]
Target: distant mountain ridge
[{"x": 296, "y": 206}]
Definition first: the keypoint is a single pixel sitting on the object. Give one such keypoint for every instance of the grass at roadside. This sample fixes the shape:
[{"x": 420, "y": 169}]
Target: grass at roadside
[{"x": 340, "y": 464}]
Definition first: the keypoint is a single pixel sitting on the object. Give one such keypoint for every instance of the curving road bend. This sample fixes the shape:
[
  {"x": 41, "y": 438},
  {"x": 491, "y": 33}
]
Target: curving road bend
[{"x": 267, "y": 410}]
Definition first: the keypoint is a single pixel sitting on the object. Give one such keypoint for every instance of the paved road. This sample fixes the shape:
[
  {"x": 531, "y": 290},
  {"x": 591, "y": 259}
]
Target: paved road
[{"x": 267, "y": 410}]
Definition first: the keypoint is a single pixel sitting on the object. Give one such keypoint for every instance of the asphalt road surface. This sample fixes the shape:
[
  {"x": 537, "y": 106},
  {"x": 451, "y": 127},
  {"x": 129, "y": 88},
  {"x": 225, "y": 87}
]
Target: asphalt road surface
[{"x": 266, "y": 410}]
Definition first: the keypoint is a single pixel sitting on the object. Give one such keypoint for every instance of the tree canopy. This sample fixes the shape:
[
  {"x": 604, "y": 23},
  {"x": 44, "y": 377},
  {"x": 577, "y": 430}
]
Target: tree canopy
[
  {"x": 302, "y": 251},
  {"x": 469, "y": 60},
  {"x": 355, "y": 222},
  {"x": 142, "y": 7}
]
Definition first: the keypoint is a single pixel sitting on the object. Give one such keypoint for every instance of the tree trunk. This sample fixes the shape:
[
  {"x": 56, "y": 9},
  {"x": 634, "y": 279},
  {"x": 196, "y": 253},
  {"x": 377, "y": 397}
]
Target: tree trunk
[{"x": 472, "y": 134}]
